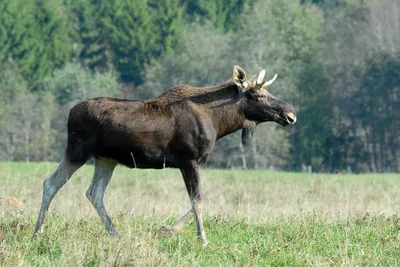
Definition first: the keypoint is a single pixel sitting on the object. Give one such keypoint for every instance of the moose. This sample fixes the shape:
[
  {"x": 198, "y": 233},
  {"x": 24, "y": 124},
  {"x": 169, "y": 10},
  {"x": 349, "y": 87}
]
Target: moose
[{"x": 177, "y": 129}]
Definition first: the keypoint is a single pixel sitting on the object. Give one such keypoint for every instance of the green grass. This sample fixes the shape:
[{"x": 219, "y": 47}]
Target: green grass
[{"x": 252, "y": 218}]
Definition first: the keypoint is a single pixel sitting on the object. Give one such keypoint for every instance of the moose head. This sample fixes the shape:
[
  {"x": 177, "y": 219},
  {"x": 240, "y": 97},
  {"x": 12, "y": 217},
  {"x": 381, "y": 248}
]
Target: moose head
[{"x": 259, "y": 104}]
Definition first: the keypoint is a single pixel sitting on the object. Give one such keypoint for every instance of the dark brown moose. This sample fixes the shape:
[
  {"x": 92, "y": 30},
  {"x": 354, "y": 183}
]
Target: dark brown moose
[{"x": 177, "y": 129}]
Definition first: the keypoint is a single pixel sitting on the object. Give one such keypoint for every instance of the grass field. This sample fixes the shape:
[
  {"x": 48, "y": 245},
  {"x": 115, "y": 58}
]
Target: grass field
[{"x": 252, "y": 218}]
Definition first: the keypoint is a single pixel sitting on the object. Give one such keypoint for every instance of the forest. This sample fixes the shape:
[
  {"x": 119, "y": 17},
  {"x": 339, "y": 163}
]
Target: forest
[{"x": 338, "y": 63}]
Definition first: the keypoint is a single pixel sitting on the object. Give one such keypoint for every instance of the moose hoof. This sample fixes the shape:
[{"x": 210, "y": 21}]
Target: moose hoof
[
  {"x": 114, "y": 233},
  {"x": 204, "y": 241},
  {"x": 41, "y": 230},
  {"x": 166, "y": 231}
]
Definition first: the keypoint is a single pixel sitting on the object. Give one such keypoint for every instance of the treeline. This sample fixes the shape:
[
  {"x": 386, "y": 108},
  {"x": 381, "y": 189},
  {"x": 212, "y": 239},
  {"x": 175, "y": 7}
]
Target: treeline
[{"x": 338, "y": 63}]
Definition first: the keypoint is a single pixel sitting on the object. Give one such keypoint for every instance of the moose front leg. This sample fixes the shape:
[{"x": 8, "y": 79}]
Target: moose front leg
[
  {"x": 190, "y": 172},
  {"x": 191, "y": 176}
]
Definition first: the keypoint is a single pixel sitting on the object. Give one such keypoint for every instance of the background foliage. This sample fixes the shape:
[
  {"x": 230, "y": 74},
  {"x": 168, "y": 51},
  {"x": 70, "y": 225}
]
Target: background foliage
[{"x": 338, "y": 63}]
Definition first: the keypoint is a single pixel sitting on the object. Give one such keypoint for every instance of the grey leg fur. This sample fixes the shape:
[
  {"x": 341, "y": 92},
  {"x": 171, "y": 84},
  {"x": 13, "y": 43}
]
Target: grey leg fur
[
  {"x": 103, "y": 170},
  {"x": 51, "y": 186},
  {"x": 198, "y": 212}
]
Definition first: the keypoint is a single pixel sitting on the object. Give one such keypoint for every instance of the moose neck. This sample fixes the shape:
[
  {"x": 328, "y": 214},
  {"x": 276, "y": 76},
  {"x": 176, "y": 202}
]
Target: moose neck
[
  {"x": 226, "y": 111},
  {"x": 227, "y": 119}
]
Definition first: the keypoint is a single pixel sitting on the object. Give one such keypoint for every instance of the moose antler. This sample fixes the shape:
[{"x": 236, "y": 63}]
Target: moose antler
[
  {"x": 259, "y": 81},
  {"x": 268, "y": 83},
  {"x": 260, "y": 84}
]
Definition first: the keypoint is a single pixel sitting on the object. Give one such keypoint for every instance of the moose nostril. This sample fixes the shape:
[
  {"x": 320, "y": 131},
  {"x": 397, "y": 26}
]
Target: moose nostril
[{"x": 291, "y": 118}]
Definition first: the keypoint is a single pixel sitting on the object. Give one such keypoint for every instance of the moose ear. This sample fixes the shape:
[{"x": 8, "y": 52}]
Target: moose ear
[{"x": 239, "y": 77}]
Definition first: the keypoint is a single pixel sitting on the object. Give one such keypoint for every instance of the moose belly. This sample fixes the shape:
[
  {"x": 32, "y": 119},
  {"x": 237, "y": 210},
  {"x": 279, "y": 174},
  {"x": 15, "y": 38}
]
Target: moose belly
[{"x": 140, "y": 158}]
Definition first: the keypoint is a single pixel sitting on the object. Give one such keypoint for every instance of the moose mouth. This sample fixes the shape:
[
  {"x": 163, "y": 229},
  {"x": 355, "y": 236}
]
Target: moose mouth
[{"x": 287, "y": 119}]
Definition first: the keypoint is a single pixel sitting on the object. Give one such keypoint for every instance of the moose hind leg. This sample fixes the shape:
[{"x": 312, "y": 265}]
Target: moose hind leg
[
  {"x": 166, "y": 231},
  {"x": 103, "y": 170},
  {"x": 52, "y": 185}
]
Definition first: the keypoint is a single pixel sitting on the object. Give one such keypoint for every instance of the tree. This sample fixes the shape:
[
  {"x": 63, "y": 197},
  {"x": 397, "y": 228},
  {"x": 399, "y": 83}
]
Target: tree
[
  {"x": 283, "y": 36},
  {"x": 167, "y": 17},
  {"x": 133, "y": 37},
  {"x": 384, "y": 25},
  {"x": 75, "y": 83},
  {"x": 358, "y": 50},
  {"x": 125, "y": 35},
  {"x": 223, "y": 14},
  {"x": 36, "y": 36},
  {"x": 25, "y": 119},
  {"x": 376, "y": 104},
  {"x": 193, "y": 61},
  {"x": 92, "y": 39}
]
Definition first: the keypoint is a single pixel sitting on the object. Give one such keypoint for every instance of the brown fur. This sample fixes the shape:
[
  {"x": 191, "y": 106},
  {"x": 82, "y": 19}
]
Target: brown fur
[{"x": 150, "y": 130}]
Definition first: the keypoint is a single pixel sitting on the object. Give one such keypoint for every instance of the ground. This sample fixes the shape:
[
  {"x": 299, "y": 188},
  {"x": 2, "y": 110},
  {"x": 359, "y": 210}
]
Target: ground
[{"x": 252, "y": 218}]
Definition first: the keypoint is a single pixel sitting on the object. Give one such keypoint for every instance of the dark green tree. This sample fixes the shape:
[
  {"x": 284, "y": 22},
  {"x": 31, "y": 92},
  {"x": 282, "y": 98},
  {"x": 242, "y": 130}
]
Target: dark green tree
[
  {"x": 92, "y": 42},
  {"x": 374, "y": 114},
  {"x": 125, "y": 35},
  {"x": 310, "y": 138},
  {"x": 36, "y": 36},
  {"x": 133, "y": 37},
  {"x": 167, "y": 17},
  {"x": 223, "y": 14}
]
